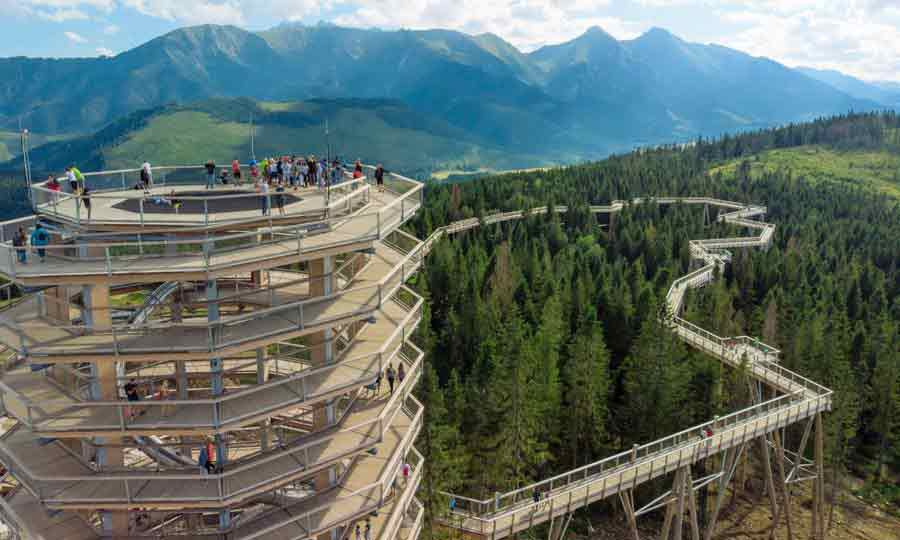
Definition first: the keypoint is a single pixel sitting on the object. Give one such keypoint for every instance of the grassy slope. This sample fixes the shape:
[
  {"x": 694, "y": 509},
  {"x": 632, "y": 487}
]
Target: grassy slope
[
  {"x": 189, "y": 137},
  {"x": 876, "y": 170},
  {"x": 180, "y": 138}
]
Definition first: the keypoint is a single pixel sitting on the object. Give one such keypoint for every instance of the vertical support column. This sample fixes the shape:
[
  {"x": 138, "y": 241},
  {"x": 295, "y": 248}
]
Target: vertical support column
[
  {"x": 262, "y": 375},
  {"x": 321, "y": 284},
  {"x": 105, "y": 387},
  {"x": 216, "y": 382},
  {"x": 819, "y": 485}
]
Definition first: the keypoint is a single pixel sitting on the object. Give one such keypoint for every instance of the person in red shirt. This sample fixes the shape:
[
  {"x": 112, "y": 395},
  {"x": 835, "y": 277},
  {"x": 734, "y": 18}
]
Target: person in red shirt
[{"x": 236, "y": 172}]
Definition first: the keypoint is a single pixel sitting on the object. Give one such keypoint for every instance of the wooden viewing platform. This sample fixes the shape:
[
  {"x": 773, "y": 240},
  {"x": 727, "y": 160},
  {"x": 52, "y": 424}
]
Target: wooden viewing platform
[{"x": 300, "y": 451}]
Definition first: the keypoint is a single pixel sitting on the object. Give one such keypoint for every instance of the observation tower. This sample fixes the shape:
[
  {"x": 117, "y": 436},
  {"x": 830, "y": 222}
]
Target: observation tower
[{"x": 182, "y": 364}]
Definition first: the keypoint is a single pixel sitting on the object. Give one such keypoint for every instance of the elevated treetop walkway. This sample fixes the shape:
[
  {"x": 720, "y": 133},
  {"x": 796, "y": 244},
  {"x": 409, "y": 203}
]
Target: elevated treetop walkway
[{"x": 800, "y": 399}]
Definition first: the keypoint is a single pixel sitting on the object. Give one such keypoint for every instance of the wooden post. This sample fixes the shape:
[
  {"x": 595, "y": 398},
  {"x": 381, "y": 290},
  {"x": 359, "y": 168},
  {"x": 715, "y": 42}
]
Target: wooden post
[
  {"x": 819, "y": 485},
  {"x": 770, "y": 480},
  {"x": 729, "y": 465},
  {"x": 115, "y": 522},
  {"x": 692, "y": 504},
  {"x": 628, "y": 505},
  {"x": 679, "y": 513},
  {"x": 785, "y": 490}
]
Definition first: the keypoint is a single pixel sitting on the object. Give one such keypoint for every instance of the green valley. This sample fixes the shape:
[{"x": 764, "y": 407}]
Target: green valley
[{"x": 219, "y": 129}]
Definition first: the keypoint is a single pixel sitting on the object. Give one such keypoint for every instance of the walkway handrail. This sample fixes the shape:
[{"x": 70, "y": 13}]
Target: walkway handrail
[
  {"x": 35, "y": 414},
  {"x": 301, "y": 447},
  {"x": 378, "y": 293}
]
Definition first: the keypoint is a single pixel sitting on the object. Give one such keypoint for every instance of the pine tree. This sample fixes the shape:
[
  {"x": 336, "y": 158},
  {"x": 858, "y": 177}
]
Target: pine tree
[
  {"x": 655, "y": 384},
  {"x": 885, "y": 391},
  {"x": 440, "y": 446},
  {"x": 586, "y": 378}
]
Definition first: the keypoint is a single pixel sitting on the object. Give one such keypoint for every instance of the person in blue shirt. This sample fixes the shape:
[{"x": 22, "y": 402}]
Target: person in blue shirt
[{"x": 40, "y": 238}]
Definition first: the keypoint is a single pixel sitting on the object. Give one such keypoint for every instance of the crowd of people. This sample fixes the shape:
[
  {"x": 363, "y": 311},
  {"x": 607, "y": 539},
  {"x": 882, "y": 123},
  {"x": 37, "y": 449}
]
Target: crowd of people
[
  {"x": 267, "y": 176},
  {"x": 290, "y": 171}
]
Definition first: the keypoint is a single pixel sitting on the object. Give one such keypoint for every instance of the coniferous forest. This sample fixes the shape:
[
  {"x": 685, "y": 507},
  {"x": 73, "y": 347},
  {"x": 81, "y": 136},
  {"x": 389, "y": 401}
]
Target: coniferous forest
[{"x": 545, "y": 350}]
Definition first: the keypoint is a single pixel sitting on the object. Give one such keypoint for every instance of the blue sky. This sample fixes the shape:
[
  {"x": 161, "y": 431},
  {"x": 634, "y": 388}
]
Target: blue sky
[{"x": 860, "y": 37}]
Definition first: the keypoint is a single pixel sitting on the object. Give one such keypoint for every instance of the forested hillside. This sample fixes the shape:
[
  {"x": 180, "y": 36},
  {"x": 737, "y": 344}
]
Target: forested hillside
[{"x": 545, "y": 350}]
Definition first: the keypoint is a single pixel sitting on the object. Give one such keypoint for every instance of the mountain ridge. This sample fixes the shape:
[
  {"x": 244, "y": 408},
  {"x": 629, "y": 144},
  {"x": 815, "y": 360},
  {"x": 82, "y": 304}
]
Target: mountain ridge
[{"x": 592, "y": 95}]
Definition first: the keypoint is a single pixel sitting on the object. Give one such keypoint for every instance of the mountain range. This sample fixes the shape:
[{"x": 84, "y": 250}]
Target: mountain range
[{"x": 583, "y": 98}]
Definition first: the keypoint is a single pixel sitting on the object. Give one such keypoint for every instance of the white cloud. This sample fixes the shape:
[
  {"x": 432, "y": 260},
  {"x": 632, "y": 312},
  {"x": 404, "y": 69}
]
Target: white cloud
[
  {"x": 103, "y": 51},
  {"x": 860, "y": 37},
  {"x": 61, "y": 15},
  {"x": 528, "y": 24},
  {"x": 75, "y": 38},
  {"x": 197, "y": 12}
]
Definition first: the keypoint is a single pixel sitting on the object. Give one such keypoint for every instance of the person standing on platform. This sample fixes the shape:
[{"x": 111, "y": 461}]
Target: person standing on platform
[
  {"x": 39, "y": 240},
  {"x": 210, "y": 174},
  {"x": 368, "y": 535},
  {"x": 401, "y": 372},
  {"x": 262, "y": 187},
  {"x": 236, "y": 172},
  {"x": 19, "y": 242},
  {"x": 391, "y": 376},
  {"x": 279, "y": 197},
  {"x": 379, "y": 178},
  {"x": 86, "y": 201},
  {"x": 131, "y": 394},
  {"x": 146, "y": 176}
]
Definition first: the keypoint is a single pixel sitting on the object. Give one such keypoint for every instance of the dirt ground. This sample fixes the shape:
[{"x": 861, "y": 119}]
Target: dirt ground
[
  {"x": 853, "y": 519},
  {"x": 750, "y": 519}
]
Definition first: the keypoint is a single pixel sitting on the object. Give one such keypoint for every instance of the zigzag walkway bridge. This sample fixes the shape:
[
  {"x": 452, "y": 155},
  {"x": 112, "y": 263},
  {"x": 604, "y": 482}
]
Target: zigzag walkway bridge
[{"x": 799, "y": 400}]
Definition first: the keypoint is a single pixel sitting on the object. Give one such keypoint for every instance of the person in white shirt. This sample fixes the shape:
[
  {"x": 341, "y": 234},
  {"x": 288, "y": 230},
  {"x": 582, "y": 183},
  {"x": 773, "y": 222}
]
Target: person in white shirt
[{"x": 263, "y": 188}]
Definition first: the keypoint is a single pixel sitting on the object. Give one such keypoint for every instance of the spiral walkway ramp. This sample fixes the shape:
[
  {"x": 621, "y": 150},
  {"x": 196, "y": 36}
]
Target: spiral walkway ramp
[{"x": 186, "y": 365}]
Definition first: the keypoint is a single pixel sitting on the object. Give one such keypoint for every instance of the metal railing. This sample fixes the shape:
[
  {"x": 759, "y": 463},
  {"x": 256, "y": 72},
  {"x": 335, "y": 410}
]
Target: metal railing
[
  {"x": 570, "y": 490},
  {"x": 216, "y": 413},
  {"x": 353, "y": 505},
  {"x": 265, "y": 470},
  {"x": 205, "y": 336},
  {"x": 150, "y": 254},
  {"x": 115, "y": 188}
]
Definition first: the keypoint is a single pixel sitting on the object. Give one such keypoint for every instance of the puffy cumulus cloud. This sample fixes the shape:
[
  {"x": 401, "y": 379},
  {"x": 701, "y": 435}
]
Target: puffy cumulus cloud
[
  {"x": 528, "y": 24},
  {"x": 859, "y": 37},
  {"x": 103, "y": 51},
  {"x": 75, "y": 38},
  {"x": 258, "y": 13},
  {"x": 60, "y": 15},
  {"x": 190, "y": 12}
]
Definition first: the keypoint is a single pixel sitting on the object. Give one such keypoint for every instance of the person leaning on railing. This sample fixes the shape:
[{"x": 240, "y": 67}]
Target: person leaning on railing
[
  {"x": 54, "y": 186},
  {"x": 76, "y": 179}
]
